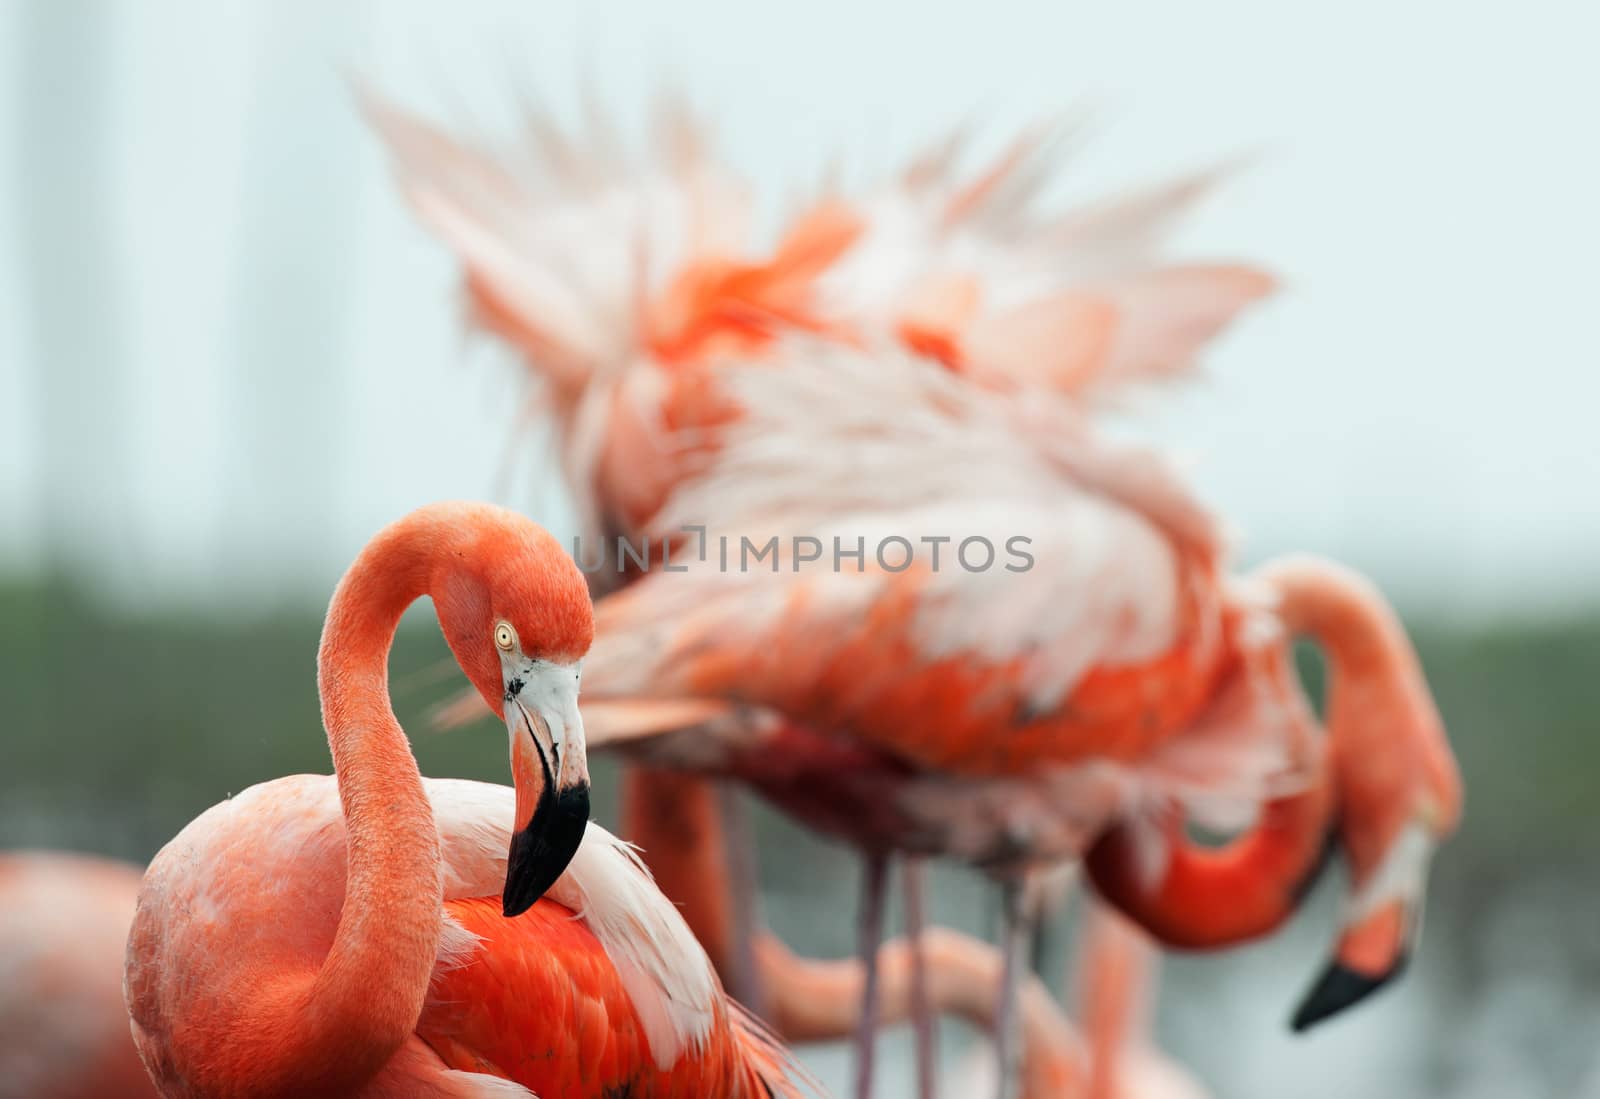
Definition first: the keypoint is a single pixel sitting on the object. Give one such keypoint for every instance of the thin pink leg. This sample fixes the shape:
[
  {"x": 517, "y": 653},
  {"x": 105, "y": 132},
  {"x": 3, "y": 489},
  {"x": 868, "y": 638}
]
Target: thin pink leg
[
  {"x": 924, "y": 1032},
  {"x": 870, "y": 935},
  {"x": 1014, "y": 933}
]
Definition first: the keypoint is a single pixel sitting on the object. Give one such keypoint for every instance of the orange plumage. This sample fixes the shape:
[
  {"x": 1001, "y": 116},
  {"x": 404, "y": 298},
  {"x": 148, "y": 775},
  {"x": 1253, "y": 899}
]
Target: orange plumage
[{"x": 545, "y": 1007}]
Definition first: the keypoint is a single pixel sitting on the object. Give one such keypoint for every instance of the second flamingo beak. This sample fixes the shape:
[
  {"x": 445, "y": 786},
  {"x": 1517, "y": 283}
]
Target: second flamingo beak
[
  {"x": 550, "y": 769},
  {"x": 1382, "y": 922}
]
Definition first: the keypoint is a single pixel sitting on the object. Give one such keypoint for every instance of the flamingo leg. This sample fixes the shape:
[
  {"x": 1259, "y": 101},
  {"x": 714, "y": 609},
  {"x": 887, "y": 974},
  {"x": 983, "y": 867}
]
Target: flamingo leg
[
  {"x": 1014, "y": 936},
  {"x": 1116, "y": 975},
  {"x": 875, "y": 873},
  {"x": 744, "y": 916},
  {"x": 1042, "y": 945},
  {"x": 914, "y": 885}
]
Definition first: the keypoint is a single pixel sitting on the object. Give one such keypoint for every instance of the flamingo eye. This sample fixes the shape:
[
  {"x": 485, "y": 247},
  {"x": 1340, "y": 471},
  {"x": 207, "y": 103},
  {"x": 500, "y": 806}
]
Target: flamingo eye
[{"x": 504, "y": 637}]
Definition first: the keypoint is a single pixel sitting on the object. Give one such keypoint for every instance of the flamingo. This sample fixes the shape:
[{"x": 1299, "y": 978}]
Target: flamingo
[
  {"x": 63, "y": 928},
  {"x": 629, "y": 287},
  {"x": 1010, "y": 721},
  {"x": 349, "y": 935}
]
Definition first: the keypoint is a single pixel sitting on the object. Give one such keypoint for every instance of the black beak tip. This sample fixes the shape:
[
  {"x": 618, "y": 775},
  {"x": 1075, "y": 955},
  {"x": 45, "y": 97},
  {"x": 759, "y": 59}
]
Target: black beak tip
[
  {"x": 514, "y": 905},
  {"x": 540, "y": 852},
  {"x": 1338, "y": 988}
]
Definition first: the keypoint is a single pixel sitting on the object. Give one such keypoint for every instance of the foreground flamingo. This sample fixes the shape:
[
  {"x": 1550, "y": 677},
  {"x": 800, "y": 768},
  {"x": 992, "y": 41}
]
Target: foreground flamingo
[
  {"x": 63, "y": 931},
  {"x": 349, "y": 935},
  {"x": 630, "y": 287}
]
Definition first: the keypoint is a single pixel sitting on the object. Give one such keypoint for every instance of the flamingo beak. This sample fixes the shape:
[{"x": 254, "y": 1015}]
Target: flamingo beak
[
  {"x": 1380, "y": 931},
  {"x": 550, "y": 771}
]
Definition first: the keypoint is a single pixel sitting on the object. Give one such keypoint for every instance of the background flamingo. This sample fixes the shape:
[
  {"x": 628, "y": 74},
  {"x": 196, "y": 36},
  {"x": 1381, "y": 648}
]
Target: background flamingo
[
  {"x": 1226, "y": 693},
  {"x": 348, "y": 935},
  {"x": 63, "y": 931}
]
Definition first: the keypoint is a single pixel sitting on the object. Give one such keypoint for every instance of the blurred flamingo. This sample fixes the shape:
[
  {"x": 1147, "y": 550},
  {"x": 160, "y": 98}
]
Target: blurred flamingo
[
  {"x": 628, "y": 284},
  {"x": 63, "y": 931},
  {"x": 1010, "y": 720},
  {"x": 631, "y": 286},
  {"x": 349, "y": 936}
]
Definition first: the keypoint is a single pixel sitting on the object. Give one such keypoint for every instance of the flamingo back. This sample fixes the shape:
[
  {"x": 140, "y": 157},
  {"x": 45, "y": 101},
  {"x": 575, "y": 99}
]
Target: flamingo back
[{"x": 1117, "y": 591}]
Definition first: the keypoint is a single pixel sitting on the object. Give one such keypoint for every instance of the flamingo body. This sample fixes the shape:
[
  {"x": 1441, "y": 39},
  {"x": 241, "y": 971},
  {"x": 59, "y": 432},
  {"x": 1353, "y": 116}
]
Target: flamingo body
[
  {"x": 552, "y": 1001},
  {"x": 982, "y": 714}
]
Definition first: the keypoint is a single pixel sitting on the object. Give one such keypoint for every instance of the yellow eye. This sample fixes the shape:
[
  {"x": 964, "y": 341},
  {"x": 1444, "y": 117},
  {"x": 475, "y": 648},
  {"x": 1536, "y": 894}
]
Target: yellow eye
[{"x": 504, "y": 637}]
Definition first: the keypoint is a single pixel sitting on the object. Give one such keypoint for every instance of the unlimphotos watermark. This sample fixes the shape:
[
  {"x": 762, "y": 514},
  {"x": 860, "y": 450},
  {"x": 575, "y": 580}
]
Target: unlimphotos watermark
[{"x": 741, "y": 553}]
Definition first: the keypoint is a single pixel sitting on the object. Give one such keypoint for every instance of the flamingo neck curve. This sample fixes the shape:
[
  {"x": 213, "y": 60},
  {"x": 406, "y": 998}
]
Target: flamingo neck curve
[
  {"x": 1388, "y": 752},
  {"x": 369, "y": 992}
]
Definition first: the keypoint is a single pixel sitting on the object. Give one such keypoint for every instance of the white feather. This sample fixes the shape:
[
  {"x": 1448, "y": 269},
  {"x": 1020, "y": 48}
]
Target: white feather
[{"x": 663, "y": 967}]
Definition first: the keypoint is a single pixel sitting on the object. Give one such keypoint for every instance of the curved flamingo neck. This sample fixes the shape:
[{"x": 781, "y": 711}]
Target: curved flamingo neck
[
  {"x": 1347, "y": 617},
  {"x": 368, "y": 994},
  {"x": 1379, "y": 707}
]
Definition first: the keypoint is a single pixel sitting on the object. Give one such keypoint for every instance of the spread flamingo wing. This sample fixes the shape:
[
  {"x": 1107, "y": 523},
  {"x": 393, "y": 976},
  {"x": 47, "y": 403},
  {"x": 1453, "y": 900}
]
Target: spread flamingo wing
[
  {"x": 563, "y": 241},
  {"x": 973, "y": 271}
]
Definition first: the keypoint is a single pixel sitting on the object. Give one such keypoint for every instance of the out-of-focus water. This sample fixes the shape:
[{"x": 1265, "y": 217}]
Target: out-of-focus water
[{"x": 1502, "y": 1001}]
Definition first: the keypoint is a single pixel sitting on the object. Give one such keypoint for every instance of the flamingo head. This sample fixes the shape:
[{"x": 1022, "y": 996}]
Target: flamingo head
[
  {"x": 1394, "y": 814},
  {"x": 1396, "y": 784},
  {"x": 515, "y": 610}
]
